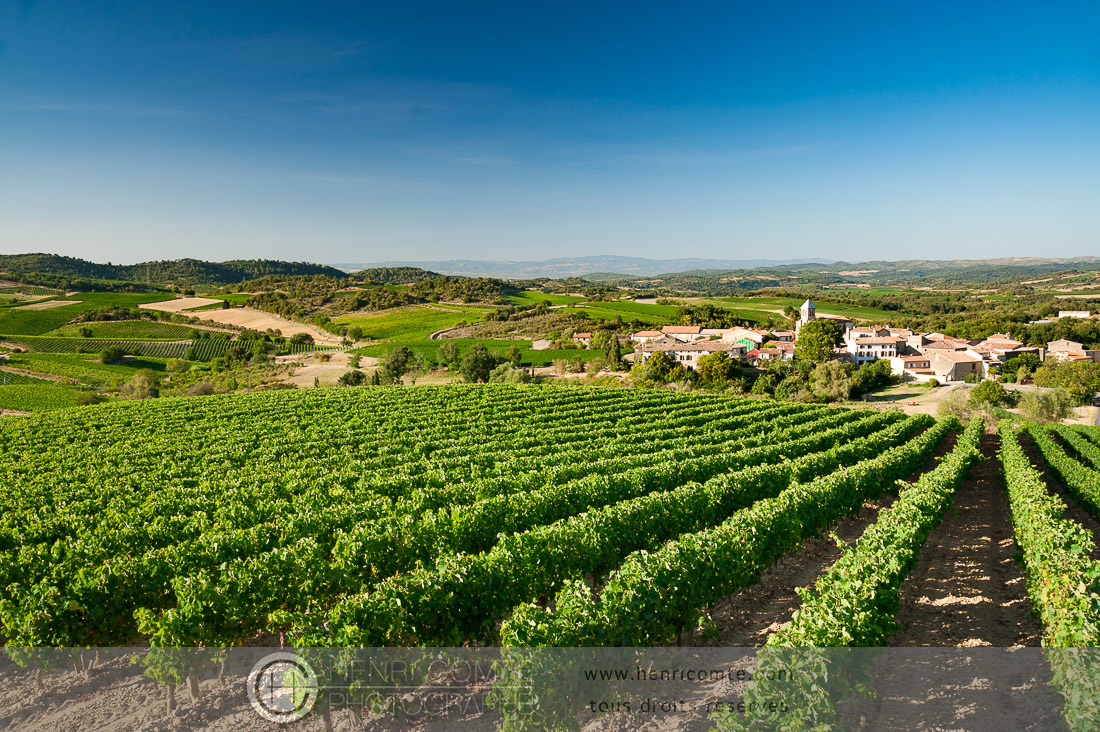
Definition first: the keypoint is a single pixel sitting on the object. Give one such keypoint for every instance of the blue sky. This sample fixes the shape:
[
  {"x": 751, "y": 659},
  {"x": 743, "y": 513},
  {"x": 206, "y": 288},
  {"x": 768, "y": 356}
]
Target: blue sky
[{"x": 359, "y": 132}]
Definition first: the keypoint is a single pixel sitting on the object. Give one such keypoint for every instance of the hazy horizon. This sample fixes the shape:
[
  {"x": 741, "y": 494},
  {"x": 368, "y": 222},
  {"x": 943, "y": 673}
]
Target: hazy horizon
[{"x": 371, "y": 132}]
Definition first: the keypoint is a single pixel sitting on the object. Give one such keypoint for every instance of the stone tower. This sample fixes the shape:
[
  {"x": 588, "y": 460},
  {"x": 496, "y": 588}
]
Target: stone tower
[{"x": 808, "y": 313}]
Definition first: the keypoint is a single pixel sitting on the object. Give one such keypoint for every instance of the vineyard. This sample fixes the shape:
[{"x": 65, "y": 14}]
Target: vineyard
[
  {"x": 444, "y": 516},
  {"x": 34, "y": 397},
  {"x": 203, "y": 349},
  {"x": 126, "y": 330},
  {"x": 514, "y": 517}
]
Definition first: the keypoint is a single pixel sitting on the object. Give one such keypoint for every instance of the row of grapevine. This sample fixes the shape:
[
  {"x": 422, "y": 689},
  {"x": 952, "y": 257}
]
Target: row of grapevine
[
  {"x": 464, "y": 596},
  {"x": 397, "y": 544},
  {"x": 1062, "y": 580},
  {"x": 651, "y": 597},
  {"x": 1081, "y": 482},
  {"x": 153, "y": 349},
  {"x": 201, "y": 349},
  {"x": 855, "y": 602},
  {"x": 32, "y": 290},
  {"x": 472, "y": 490},
  {"x": 214, "y": 558},
  {"x": 1088, "y": 452},
  {"x": 248, "y": 478},
  {"x": 16, "y": 377},
  {"x": 214, "y": 562}
]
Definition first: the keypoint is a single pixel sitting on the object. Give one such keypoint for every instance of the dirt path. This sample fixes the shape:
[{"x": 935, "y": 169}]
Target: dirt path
[
  {"x": 746, "y": 618},
  {"x": 967, "y": 588}
]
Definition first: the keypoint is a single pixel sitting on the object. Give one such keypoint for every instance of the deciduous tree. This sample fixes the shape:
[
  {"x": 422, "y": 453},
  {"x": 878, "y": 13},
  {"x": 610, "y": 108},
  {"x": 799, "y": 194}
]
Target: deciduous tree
[{"x": 817, "y": 339}]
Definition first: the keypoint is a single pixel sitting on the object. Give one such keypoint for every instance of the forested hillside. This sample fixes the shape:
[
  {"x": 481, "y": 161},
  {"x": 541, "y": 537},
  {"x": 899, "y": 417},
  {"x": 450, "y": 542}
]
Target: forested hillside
[{"x": 53, "y": 270}]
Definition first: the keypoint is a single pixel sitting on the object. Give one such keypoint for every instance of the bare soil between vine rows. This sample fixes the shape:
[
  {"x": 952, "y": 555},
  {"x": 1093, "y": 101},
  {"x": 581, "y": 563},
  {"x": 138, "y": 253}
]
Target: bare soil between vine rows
[
  {"x": 746, "y": 618},
  {"x": 967, "y": 590}
]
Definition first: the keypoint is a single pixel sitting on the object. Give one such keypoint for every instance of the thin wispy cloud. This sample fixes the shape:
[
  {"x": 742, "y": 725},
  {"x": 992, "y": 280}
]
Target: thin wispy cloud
[
  {"x": 287, "y": 48},
  {"x": 105, "y": 108}
]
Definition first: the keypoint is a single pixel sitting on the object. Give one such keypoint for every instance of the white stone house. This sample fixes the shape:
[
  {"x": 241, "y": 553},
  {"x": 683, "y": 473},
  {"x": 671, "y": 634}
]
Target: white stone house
[
  {"x": 873, "y": 348},
  {"x": 688, "y": 354},
  {"x": 646, "y": 336},
  {"x": 685, "y": 333}
]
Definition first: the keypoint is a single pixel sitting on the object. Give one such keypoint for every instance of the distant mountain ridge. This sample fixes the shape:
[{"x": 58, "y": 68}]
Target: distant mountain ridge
[
  {"x": 563, "y": 267},
  {"x": 680, "y": 275}
]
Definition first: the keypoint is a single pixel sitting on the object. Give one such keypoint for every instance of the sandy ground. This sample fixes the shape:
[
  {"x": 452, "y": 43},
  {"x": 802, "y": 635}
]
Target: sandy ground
[
  {"x": 44, "y": 305},
  {"x": 326, "y": 373},
  {"x": 259, "y": 320},
  {"x": 179, "y": 304},
  {"x": 928, "y": 401},
  {"x": 967, "y": 588}
]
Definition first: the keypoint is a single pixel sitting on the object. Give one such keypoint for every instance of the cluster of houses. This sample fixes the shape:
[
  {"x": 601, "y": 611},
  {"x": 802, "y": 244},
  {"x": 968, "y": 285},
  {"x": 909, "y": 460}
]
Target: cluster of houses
[{"x": 918, "y": 356}]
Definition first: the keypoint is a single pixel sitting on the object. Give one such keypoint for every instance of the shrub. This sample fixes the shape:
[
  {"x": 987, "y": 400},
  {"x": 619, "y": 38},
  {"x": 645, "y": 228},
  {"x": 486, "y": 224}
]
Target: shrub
[
  {"x": 353, "y": 378},
  {"x": 144, "y": 385},
  {"x": 1047, "y": 406},
  {"x": 111, "y": 354},
  {"x": 991, "y": 393},
  {"x": 955, "y": 404},
  {"x": 595, "y": 366},
  {"x": 506, "y": 373}
]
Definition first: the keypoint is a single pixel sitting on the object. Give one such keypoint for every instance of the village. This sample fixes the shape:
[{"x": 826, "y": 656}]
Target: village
[{"x": 913, "y": 356}]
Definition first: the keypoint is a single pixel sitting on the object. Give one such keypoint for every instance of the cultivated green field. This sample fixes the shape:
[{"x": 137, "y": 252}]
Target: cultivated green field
[
  {"x": 15, "y": 320},
  {"x": 83, "y": 368},
  {"x": 194, "y": 507},
  {"x": 409, "y": 323},
  {"x": 533, "y": 297},
  {"x": 22, "y": 320},
  {"x": 528, "y": 356},
  {"x": 127, "y": 329},
  {"x": 600, "y": 312},
  {"x": 12, "y": 377},
  {"x": 37, "y": 397}
]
